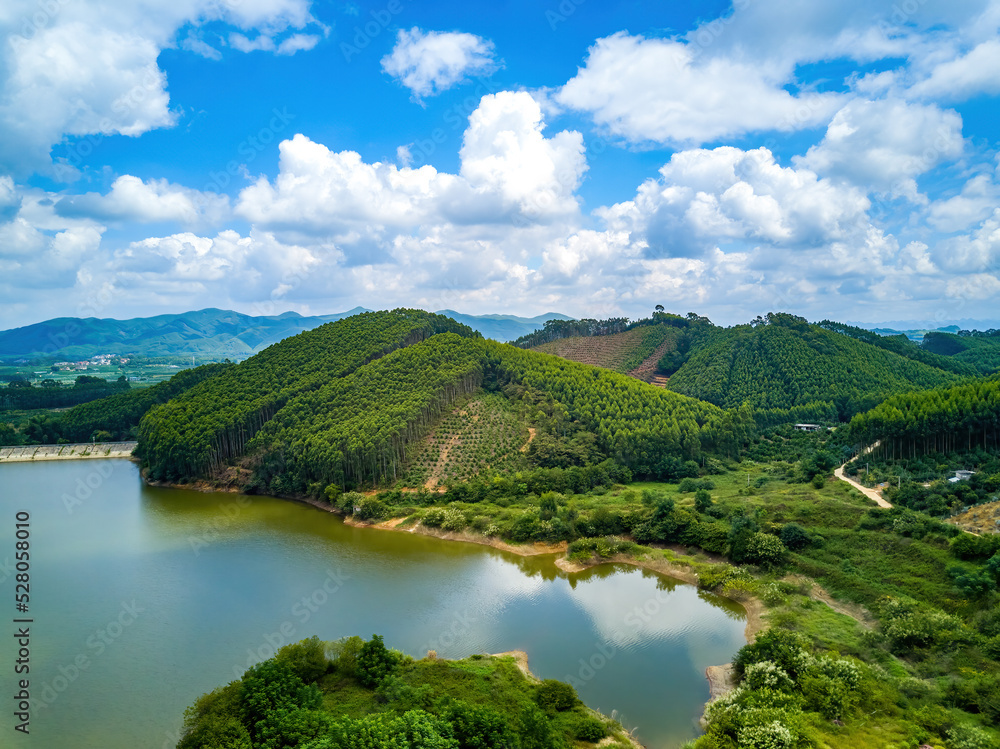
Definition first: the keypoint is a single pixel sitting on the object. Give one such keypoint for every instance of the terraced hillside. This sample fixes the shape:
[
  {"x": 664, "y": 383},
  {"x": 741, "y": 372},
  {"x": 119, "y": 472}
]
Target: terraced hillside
[
  {"x": 482, "y": 434},
  {"x": 634, "y": 352}
]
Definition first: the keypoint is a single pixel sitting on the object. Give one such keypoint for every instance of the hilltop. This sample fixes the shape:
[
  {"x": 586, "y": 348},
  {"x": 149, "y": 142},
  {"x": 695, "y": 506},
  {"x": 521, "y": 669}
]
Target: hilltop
[
  {"x": 783, "y": 367},
  {"x": 208, "y": 334}
]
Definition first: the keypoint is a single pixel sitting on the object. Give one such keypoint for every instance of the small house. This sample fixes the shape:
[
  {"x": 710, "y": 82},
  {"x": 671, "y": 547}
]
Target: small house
[{"x": 961, "y": 476}]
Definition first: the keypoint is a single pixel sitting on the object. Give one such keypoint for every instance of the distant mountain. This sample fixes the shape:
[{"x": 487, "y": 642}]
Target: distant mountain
[
  {"x": 208, "y": 333},
  {"x": 503, "y": 328},
  {"x": 205, "y": 334}
]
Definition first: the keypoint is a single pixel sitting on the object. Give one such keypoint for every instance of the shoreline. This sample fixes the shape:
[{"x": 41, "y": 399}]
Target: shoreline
[
  {"x": 521, "y": 659},
  {"x": 76, "y": 451},
  {"x": 719, "y": 677}
]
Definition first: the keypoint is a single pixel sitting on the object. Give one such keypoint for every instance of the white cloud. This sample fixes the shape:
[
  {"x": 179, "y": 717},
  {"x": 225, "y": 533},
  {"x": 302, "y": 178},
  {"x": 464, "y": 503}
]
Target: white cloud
[
  {"x": 89, "y": 68},
  {"x": 973, "y": 73},
  {"x": 882, "y": 146},
  {"x": 510, "y": 172},
  {"x": 430, "y": 62},
  {"x": 706, "y": 198},
  {"x": 659, "y": 90},
  {"x": 131, "y": 199},
  {"x": 977, "y": 200},
  {"x": 975, "y": 253},
  {"x": 297, "y": 43}
]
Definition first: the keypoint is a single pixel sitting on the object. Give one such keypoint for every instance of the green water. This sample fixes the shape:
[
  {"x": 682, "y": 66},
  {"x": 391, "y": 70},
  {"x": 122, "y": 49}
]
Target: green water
[{"x": 144, "y": 598}]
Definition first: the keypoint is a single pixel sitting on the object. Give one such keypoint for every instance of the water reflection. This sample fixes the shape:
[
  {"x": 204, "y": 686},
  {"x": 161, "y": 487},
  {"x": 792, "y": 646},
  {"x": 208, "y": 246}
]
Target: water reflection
[{"x": 224, "y": 580}]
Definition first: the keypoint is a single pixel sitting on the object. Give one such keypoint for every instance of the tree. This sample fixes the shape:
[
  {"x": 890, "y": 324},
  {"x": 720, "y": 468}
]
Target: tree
[
  {"x": 375, "y": 662},
  {"x": 794, "y": 536}
]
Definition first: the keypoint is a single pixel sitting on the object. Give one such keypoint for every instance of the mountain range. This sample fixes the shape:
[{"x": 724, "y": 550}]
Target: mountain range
[{"x": 205, "y": 334}]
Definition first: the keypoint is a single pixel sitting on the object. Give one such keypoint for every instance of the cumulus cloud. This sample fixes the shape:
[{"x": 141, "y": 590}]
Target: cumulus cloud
[
  {"x": 970, "y": 74},
  {"x": 884, "y": 145},
  {"x": 90, "y": 67},
  {"x": 706, "y": 198},
  {"x": 977, "y": 252},
  {"x": 973, "y": 204},
  {"x": 510, "y": 172},
  {"x": 659, "y": 90},
  {"x": 131, "y": 199},
  {"x": 430, "y": 62}
]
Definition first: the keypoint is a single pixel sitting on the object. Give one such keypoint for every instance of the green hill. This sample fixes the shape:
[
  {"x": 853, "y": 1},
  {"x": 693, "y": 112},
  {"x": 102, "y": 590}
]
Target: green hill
[
  {"x": 943, "y": 420},
  {"x": 781, "y": 362},
  {"x": 978, "y": 350},
  {"x": 345, "y": 404},
  {"x": 352, "y": 694}
]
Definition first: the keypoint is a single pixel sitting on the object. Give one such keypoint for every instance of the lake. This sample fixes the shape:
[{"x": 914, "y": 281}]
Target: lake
[{"x": 143, "y": 598}]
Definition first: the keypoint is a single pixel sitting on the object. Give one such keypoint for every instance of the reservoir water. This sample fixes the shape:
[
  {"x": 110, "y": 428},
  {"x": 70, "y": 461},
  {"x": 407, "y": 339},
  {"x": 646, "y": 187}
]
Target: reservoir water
[{"x": 144, "y": 598}]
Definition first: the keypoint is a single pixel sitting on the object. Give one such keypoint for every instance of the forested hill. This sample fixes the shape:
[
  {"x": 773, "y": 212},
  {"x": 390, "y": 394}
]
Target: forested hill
[
  {"x": 342, "y": 405},
  {"x": 783, "y": 362},
  {"x": 900, "y": 344},
  {"x": 958, "y": 418},
  {"x": 212, "y": 422},
  {"x": 212, "y": 334},
  {"x": 977, "y": 349}
]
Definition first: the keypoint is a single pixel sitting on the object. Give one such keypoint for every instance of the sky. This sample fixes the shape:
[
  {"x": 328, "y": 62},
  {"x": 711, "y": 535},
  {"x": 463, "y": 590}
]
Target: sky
[{"x": 830, "y": 159}]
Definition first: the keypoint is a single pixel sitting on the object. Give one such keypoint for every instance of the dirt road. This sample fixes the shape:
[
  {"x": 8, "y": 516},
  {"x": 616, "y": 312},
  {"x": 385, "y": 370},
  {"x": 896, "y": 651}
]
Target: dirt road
[{"x": 873, "y": 495}]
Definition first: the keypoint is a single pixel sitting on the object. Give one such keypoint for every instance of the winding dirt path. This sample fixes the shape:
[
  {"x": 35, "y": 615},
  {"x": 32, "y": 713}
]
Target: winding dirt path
[{"x": 873, "y": 495}]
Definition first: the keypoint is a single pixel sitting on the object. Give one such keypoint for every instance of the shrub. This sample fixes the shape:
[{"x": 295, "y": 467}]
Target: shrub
[
  {"x": 375, "y": 662},
  {"x": 765, "y": 550},
  {"x": 783, "y": 648},
  {"x": 454, "y": 520},
  {"x": 434, "y": 517},
  {"x": 969, "y": 737},
  {"x": 370, "y": 508},
  {"x": 702, "y": 500},
  {"x": 687, "y": 486},
  {"x": 794, "y": 536},
  {"x": 555, "y": 696}
]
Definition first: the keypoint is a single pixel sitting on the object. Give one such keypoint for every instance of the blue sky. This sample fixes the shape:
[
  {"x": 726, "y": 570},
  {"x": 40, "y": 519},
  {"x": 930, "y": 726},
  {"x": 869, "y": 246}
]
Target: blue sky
[{"x": 829, "y": 159}]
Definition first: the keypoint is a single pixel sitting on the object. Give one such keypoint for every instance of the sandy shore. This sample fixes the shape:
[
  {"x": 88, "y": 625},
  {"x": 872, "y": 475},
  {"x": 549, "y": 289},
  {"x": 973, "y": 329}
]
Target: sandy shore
[{"x": 80, "y": 451}]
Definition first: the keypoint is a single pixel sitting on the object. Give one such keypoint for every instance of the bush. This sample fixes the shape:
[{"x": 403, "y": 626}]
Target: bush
[
  {"x": 765, "y": 550},
  {"x": 370, "y": 508},
  {"x": 794, "y": 536},
  {"x": 555, "y": 696},
  {"x": 969, "y": 737},
  {"x": 589, "y": 728},
  {"x": 702, "y": 500},
  {"x": 434, "y": 517},
  {"x": 783, "y": 648}
]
